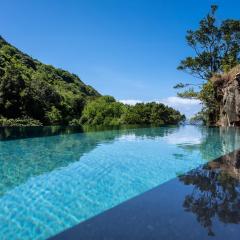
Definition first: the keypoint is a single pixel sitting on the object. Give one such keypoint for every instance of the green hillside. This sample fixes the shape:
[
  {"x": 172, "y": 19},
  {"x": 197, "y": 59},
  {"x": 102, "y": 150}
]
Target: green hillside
[
  {"x": 31, "y": 90},
  {"x": 33, "y": 93}
]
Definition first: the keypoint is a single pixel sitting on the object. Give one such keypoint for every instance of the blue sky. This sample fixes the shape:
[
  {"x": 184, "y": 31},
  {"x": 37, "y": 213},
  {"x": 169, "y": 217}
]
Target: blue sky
[{"x": 127, "y": 48}]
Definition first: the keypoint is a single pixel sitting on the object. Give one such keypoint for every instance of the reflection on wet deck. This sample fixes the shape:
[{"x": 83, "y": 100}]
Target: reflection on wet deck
[{"x": 202, "y": 204}]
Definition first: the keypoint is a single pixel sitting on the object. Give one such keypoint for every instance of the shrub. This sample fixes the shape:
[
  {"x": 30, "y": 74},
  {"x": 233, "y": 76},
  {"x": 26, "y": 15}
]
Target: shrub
[{"x": 19, "y": 122}]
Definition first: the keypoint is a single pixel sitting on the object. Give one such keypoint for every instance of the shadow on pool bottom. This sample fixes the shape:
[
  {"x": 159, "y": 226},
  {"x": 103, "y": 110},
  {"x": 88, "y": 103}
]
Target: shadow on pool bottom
[{"x": 201, "y": 204}]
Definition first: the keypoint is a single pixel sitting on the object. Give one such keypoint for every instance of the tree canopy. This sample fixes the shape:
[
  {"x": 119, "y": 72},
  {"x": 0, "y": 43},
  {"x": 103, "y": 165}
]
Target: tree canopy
[
  {"x": 35, "y": 91},
  {"x": 216, "y": 48},
  {"x": 106, "y": 110}
]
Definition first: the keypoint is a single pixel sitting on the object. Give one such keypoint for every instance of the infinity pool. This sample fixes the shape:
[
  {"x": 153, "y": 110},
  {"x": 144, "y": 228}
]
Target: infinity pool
[{"x": 51, "y": 183}]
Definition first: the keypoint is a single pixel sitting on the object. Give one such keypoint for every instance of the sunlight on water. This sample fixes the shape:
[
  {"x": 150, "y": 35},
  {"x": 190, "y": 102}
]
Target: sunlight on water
[{"x": 51, "y": 183}]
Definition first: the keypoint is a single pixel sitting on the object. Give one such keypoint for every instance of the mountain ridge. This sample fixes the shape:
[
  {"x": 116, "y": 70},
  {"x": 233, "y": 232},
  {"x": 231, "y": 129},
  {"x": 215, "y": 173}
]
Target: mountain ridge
[
  {"x": 33, "y": 93},
  {"x": 32, "y": 89}
]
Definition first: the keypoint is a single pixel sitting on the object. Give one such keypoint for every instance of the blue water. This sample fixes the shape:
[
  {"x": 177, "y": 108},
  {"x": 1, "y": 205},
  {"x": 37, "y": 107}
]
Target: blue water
[{"x": 48, "y": 184}]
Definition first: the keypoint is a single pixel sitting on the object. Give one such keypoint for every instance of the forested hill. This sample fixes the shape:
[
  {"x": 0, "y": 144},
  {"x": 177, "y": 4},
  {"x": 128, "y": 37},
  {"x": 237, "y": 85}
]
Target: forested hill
[{"x": 33, "y": 91}]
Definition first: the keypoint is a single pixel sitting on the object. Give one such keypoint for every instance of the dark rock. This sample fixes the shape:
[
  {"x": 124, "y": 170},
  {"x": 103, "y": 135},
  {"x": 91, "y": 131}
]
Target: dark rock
[
  {"x": 237, "y": 78},
  {"x": 230, "y": 103}
]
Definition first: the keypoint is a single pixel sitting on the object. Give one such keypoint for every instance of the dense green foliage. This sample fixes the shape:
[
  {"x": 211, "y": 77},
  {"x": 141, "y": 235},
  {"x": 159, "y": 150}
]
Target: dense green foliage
[
  {"x": 19, "y": 122},
  {"x": 32, "y": 93},
  {"x": 106, "y": 111},
  {"x": 151, "y": 113},
  {"x": 103, "y": 111},
  {"x": 216, "y": 47},
  {"x": 32, "y": 90}
]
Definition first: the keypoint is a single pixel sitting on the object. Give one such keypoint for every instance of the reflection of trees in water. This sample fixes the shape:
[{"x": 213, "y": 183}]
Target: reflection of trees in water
[
  {"x": 216, "y": 192},
  {"x": 140, "y": 131},
  {"x": 215, "y": 142},
  {"x": 150, "y": 133},
  {"x": 24, "y": 158},
  {"x": 10, "y": 133}
]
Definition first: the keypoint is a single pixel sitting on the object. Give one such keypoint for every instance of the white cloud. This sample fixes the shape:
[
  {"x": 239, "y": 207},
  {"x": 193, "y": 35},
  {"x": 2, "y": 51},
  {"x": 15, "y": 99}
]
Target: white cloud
[
  {"x": 180, "y": 101},
  {"x": 189, "y": 107},
  {"x": 130, "y": 101}
]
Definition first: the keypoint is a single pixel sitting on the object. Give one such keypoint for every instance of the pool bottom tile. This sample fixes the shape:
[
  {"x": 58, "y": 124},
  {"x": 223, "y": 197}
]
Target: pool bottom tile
[{"x": 201, "y": 204}]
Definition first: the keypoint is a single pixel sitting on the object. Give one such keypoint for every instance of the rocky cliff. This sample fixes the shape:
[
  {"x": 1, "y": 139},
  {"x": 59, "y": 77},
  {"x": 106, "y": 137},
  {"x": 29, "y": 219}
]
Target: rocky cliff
[{"x": 227, "y": 89}]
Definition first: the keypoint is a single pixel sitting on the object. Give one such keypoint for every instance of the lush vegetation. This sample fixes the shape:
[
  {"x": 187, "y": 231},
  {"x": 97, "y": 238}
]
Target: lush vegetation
[
  {"x": 107, "y": 111},
  {"x": 216, "y": 48},
  {"x": 33, "y": 91},
  {"x": 102, "y": 111},
  {"x": 35, "y": 94},
  {"x": 18, "y": 122}
]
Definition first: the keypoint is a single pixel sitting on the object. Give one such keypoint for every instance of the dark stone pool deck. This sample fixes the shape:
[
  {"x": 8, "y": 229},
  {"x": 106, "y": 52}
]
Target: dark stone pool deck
[{"x": 201, "y": 204}]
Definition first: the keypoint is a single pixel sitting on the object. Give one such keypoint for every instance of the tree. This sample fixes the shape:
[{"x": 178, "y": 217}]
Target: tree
[
  {"x": 39, "y": 97},
  {"x": 106, "y": 111},
  {"x": 151, "y": 113},
  {"x": 102, "y": 111},
  {"x": 11, "y": 87},
  {"x": 215, "y": 195},
  {"x": 32, "y": 90},
  {"x": 216, "y": 48}
]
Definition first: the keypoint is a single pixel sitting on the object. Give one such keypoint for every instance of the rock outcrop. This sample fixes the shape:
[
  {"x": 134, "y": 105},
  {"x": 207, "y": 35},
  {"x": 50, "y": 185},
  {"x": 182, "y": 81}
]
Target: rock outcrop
[{"x": 227, "y": 89}]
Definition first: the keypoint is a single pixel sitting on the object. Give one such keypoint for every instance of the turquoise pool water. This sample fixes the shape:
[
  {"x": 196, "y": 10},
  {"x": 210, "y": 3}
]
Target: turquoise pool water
[{"x": 48, "y": 184}]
